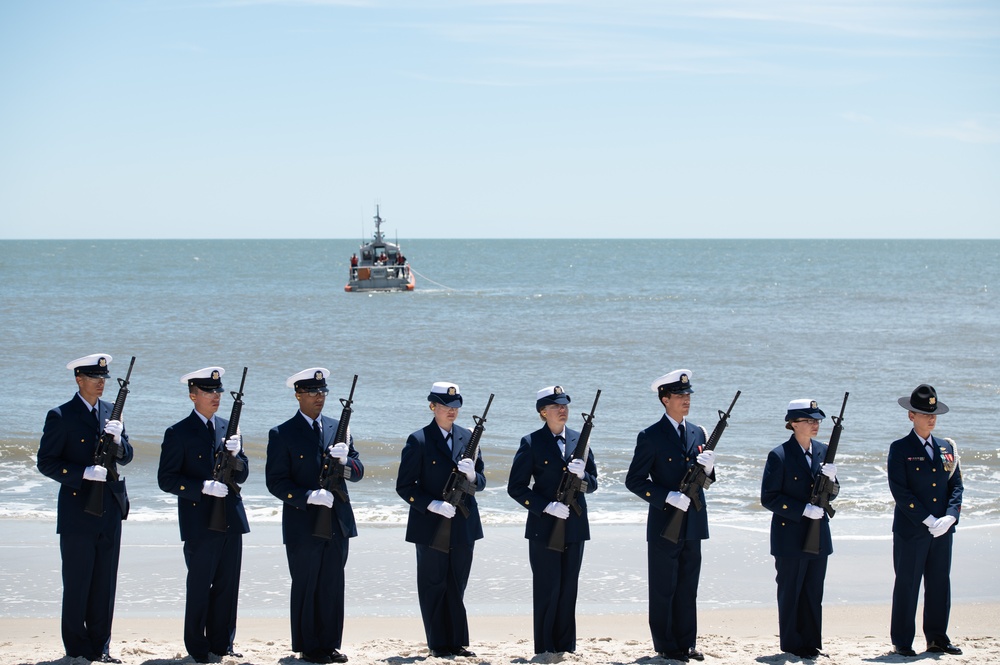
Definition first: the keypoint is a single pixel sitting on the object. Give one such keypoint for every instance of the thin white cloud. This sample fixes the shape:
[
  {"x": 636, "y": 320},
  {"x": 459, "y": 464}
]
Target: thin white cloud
[
  {"x": 859, "y": 118},
  {"x": 967, "y": 131}
]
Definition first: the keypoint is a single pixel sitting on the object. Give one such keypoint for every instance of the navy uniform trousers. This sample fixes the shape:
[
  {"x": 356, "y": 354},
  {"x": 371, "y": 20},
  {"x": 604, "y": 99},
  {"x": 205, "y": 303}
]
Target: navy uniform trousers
[
  {"x": 426, "y": 463},
  {"x": 316, "y": 565},
  {"x": 214, "y": 559},
  {"x": 89, "y": 545},
  {"x": 555, "y": 576},
  {"x": 786, "y": 488},
  {"x": 922, "y": 486},
  {"x": 658, "y": 466}
]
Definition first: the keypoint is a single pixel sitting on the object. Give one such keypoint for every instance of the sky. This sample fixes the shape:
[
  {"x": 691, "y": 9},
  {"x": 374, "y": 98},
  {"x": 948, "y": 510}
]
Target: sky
[{"x": 500, "y": 119}]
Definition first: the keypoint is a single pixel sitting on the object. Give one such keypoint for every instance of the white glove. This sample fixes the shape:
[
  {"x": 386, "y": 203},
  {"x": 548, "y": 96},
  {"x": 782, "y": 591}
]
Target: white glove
[
  {"x": 214, "y": 488},
  {"x": 114, "y": 428},
  {"x": 468, "y": 467},
  {"x": 942, "y": 525},
  {"x": 707, "y": 460},
  {"x": 679, "y": 501},
  {"x": 557, "y": 510},
  {"x": 442, "y": 508},
  {"x": 929, "y": 521},
  {"x": 829, "y": 470},
  {"x": 234, "y": 444},
  {"x": 577, "y": 467},
  {"x": 97, "y": 474},
  {"x": 339, "y": 452},
  {"x": 812, "y": 512},
  {"x": 320, "y": 498}
]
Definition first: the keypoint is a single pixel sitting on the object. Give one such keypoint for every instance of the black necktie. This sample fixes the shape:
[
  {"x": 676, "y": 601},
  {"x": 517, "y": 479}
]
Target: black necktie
[
  {"x": 97, "y": 419},
  {"x": 929, "y": 447},
  {"x": 319, "y": 432},
  {"x": 561, "y": 442},
  {"x": 683, "y": 437},
  {"x": 211, "y": 431}
]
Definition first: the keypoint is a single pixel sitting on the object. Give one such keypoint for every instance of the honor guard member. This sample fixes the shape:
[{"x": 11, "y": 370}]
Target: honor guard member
[
  {"x": 213, "y": 557},
  {"x": 785, "y": 490},
  {"x": 926, "y": 483},
  {"x": 663, "y": 453},
  {"x": 295, "y": 451},
  {"x": 545, "y": 455},
  {"x": 89, "y": 545},
  {"x": 427, "y": 461}
]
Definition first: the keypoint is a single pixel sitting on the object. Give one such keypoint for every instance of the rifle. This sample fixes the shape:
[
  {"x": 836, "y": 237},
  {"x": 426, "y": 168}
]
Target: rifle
[
  {"x": 106, "y": 453},
  {"x": 570, "y": 487},
  {"x": 696, "y": 479},
  {"x": 824, "y": 487},
  {"x": 458, "y": 486},
  {"x": 227, "y": 465},
  {"x": 333, "y": 473}
]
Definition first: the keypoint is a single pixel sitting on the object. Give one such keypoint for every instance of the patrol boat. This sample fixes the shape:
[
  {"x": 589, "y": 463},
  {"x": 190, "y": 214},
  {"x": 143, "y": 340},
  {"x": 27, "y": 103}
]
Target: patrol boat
[{"x": 381, "y": 265}]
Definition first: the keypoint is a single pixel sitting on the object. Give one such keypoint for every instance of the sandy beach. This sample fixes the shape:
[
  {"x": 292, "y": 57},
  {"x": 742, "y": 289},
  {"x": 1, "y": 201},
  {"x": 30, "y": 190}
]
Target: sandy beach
[
  {"x": 737, "y": 617},
  {"x": 854, "y": 635}
]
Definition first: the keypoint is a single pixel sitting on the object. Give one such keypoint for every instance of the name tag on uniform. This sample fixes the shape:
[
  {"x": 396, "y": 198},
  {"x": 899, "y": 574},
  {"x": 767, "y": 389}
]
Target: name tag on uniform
[{"x": 916, "y": 459}]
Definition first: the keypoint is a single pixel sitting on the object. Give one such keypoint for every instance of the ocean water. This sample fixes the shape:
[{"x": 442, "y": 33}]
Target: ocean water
[{"x": 777, "y": 319}]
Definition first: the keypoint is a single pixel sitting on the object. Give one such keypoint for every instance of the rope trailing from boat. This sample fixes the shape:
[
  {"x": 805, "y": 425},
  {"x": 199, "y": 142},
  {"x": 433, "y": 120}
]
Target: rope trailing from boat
[{"x": 430, "y": 280}]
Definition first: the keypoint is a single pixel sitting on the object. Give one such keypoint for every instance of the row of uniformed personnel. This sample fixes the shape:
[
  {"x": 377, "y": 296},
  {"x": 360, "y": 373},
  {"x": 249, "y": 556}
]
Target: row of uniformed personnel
[{"x": 664, "y": 452}]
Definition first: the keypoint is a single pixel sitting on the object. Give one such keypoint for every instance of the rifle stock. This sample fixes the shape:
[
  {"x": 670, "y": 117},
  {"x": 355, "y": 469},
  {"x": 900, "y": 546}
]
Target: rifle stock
[
  {"x": 106, "y": 453},
  {"x": 696, "y": 479},
  {"x": 571, "y": 487},
  {"x": 458, "y": 486},
  {"x": 333, "y": 473},
  {"x": 823, "y": 487},
  {"x": 227, "y": 466}
]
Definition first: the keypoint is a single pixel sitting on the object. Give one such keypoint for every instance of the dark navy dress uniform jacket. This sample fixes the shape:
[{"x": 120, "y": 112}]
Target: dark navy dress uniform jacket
[
  {"x": 425, "y": 465},
  {"x": 538, "y": 457},
  {"x": 785, "y": 490},
  {"x": 294, "y": 462},
  {"x": 658, "y": 467},
  {"x": 921, "y": 486},
  {"x": 66, "y": 449},
  {"x": 187, "y": 459}
]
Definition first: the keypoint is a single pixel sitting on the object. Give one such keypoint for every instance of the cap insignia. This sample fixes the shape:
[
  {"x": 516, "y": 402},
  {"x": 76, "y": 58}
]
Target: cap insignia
[
  {"x": 684, "y": 378},
  {"x": 558, "y": 390},
  {"x": 451, "y": 390},
  {"x": 932, "y": 401},
  {"x": 318, "y": 376},
  {"x": 215, "y": 374},
  {"x": 103, "y": 362},
  {"x": 813, "y": 405}
]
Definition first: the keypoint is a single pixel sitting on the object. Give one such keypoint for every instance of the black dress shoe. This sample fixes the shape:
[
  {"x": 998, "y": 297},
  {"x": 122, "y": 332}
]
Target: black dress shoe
[
  {"x": 944, "y": 648},
  {"x": 228, "y": 652},
  {"x": 908, "y": 652},
  {"x": 678, "y": 654},
  {"x": 106, "y": 658},
  {"x": 694, "y": 654},
  {"x": 337, "y": 657},
  {"x": 201, "y": 659},
  {"x": 316, "y": 657},
  {"x": 441, "y": 653},
  {"x": 462, "y": 651},
  {"x": 807, "y": 653}
]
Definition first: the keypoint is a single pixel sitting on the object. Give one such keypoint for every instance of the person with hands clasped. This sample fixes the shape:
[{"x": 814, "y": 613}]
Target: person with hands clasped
[
  {"x": 213, "y": 558},
  {"x": 428, "y": 459},
  {"x": 295, "y": 452},
  {"x": 89, "y": 544},
  {"x": 926, "y": 483},
  {"x": 663, "y": 453},
  {"x": 543, "y": 457},
  {"x": 785, "y": 490}
]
